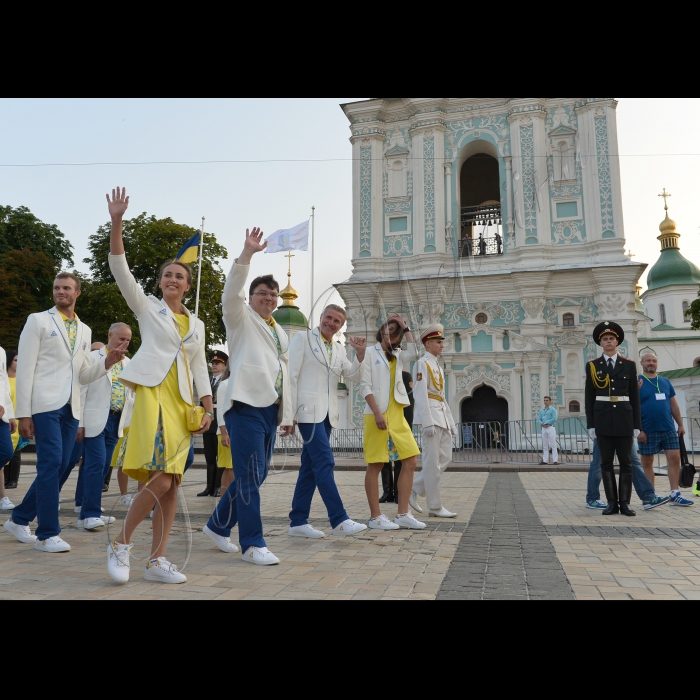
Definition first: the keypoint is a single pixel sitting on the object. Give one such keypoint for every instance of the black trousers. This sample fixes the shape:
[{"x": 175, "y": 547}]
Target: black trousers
[
  {"x": 211, "y": 449},
  {"x": 609, "y": 447}
]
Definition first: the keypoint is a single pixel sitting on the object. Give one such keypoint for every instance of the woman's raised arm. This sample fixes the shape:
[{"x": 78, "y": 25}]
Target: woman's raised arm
[{"x": 117, "y": 208}]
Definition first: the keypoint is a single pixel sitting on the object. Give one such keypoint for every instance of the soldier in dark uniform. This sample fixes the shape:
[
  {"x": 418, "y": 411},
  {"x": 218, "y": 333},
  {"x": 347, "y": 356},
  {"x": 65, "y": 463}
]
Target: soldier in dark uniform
[
  {"x": 218, "y": 361},
  {"x": 614, "y": 414}
]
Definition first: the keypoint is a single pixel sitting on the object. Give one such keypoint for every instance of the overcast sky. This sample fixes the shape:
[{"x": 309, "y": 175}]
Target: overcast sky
[{"x": 277, "y": 195}]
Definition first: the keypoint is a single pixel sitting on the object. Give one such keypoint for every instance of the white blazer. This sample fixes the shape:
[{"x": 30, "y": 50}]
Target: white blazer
[
  {"x": 97, "y": 397},
  {"x": 5, "y": 391},
  {"x": 161, "y": 344},
  {"x": 314, "y": 380},
  {"x": 48, "y": 374},
  {"x": 431, "y": 412},
  {"x": 254, "y": 359},
  {"x": 376, "y": 377}
]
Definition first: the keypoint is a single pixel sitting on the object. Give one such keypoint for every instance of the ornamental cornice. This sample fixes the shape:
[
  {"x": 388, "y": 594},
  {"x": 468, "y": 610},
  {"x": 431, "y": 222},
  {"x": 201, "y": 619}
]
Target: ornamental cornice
[
  {"x": 435, "y": 124},
  {"x": 588, "y": 103}
]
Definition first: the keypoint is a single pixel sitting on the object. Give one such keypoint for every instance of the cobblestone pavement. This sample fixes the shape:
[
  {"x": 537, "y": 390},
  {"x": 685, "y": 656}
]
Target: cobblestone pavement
[{"x": 518, "y": 536}]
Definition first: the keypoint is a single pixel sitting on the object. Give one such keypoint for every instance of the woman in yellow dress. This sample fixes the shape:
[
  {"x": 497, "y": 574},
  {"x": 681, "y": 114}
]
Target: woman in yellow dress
[
  {"x": 387, "y": 435},
  {"x": 171, "y": 355}
]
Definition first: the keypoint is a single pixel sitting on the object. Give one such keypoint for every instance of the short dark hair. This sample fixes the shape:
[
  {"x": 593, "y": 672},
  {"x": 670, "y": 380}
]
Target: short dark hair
[
  {"x": 268, "y": 280},
  {"x": 71, "y": 276},
  {"x": 547, "y": 397},
  {"x": 11, "y": 354}
]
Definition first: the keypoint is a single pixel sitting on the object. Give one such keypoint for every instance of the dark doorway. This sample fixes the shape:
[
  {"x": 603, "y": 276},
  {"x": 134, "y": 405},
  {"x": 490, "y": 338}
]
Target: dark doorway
[{"x": 484, "y": 416}]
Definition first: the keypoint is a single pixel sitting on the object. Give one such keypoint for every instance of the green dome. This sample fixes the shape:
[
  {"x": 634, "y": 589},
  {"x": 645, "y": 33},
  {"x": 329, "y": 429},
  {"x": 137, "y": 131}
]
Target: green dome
[
  {"x": 672, "y": 269},
  {"x": 290, "y": 316}
]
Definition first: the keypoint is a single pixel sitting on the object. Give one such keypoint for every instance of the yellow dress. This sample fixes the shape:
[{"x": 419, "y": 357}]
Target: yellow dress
[
  {"x": 382, "y": 447},
  {"x": 225, "y": 459},
  {"x": 159, "y": 440},
  {"x": 13, "y": 396}
]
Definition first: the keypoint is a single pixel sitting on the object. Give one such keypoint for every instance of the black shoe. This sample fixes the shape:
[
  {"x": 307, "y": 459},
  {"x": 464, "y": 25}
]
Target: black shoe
[
  {"x": 626, "y": 495},
  {"x": 105, "y": 489},
  {"x": 11, "y": 485},
  {"x": 612, "y": 509},
  {"x": 387, "y": 497},
  {"x": 205, "y": 493},
  {"x": 217, "y": 493},
  {"x": 627, "y": 511}
]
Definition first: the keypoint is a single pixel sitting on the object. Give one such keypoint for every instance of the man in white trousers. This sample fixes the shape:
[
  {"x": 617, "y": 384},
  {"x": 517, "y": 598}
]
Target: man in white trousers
[
  {"x": 438, "y": 428},
  {"x": 548, "y": 421}
]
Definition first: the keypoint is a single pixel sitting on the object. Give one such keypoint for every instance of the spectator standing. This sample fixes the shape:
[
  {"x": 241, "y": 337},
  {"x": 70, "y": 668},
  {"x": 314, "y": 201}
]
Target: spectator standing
[
  {"x": 8, "y": 426},
  {"x": 12, "y": 469},
  {"x": 660, "y": 433},
  {"x": 547, "y": 420},
  {"x": 218, "y": 361}
]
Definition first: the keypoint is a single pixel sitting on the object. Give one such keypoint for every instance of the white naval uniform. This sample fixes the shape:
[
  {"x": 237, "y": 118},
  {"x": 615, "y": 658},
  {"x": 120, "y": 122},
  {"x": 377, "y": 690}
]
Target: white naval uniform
[{"x": 432, "y": 410}]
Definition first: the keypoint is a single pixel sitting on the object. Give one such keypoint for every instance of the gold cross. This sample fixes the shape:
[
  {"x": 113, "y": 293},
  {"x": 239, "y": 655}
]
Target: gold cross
[
  {"x": 290, "y": 256},
  {"x": 665, "y": 195},
  {"x": 631, "y": 255}
]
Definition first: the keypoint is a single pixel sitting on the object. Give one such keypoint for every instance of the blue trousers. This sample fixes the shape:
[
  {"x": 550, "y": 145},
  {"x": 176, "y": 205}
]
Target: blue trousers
[
  {"x": 642, "y": 485},
  {"x": 55, "y": 434},
  {"x": 317, "y": 465},
  {"x": 98, "y": 457},
  {"x": 5, "y": 445},
  {"x": 253, "y": 434}
]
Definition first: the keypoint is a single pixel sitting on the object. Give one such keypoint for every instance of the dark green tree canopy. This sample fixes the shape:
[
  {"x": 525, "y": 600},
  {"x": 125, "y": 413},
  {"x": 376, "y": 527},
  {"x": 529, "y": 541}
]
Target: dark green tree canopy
[{"x": 149, "y": 242}]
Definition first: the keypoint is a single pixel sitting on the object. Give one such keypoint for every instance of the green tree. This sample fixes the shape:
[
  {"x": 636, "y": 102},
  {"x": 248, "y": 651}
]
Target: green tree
[
  {"x": 26, "y": 280},
  {"x": 149, "y": 242},
  {"x": 20, "y": 229},
  {"x": 693, "y": 314}
]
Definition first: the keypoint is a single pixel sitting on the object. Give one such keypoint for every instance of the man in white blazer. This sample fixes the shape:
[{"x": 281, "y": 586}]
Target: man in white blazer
[
  {"x": 433, "y": 414},
  {"x": 316, "y": 365},
  {"x": 8, "y": 426},
  {"x": 54, "y": 360},
  {"x": 106, "y": 406},
  {"x": 257, "y": 400}
]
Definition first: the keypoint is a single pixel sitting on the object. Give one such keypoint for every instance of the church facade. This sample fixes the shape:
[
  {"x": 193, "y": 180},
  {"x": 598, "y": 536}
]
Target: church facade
[{"x": 500, "y": 218}]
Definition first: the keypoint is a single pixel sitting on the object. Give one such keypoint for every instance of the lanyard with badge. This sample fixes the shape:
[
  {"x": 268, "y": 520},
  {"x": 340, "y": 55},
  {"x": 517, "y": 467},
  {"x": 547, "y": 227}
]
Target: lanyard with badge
[{"x": 660, "y": 396}]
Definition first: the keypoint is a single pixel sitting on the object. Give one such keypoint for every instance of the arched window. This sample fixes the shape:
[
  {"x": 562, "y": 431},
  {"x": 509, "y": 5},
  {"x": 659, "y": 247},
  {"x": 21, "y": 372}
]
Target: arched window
[
  {"x": 662, "y": 313},
  {"x": 696, "y": 363},
  {"x": 569, "y": 321},
  {"x": 686, "y": 310},
  {"x": 574, "y": 407},
  {"x": 482, "y": 319}
]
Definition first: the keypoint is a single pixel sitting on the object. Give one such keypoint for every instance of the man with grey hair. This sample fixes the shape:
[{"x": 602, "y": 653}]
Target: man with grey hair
[{"x": 662, "y": 425}]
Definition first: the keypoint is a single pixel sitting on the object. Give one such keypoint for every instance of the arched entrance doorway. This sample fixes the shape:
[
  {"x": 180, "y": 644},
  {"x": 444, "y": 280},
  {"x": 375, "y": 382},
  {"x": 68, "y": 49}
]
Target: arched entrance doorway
[{"x": 485, "y": 415}]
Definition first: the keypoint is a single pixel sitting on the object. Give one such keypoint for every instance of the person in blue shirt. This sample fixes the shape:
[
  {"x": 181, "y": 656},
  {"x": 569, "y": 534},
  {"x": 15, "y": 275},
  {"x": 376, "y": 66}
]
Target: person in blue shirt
[
  {"x": 547, "y": 420},
  {"x": 662, "y": 425}
]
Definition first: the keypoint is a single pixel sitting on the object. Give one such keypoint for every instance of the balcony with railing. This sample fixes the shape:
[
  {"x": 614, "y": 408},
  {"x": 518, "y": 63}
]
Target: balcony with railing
[{"x": 489, "y": 219}]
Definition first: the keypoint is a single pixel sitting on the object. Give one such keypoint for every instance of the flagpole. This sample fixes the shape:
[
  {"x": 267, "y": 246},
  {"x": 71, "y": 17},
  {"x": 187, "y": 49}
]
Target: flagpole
[
  {"x": 199, "y": 275},
  {"x": 313, "y": 261}
]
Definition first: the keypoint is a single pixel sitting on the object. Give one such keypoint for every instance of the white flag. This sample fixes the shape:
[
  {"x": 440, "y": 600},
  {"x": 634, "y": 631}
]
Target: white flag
[{"x": 296, "y": 238}]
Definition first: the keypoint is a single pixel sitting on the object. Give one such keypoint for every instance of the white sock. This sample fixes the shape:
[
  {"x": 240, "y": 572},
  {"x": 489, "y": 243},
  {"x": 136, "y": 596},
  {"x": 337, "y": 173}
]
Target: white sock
[{"x": 675, "y": 493}]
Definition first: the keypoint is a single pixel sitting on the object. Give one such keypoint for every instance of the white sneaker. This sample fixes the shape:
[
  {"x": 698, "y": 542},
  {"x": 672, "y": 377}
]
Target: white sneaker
[
  {"x": 79, "y": 509},
  {"x": 261, "y": 556},
  {"x": 125, "y": 501},
  {"x": 223, "y": 543},
  {"x": 118, "y": 565},
  {"x": 6, "y": 505},
  {"x": 306, "y": 531},
  {"x": 91, "y": 524},
  {"x": 162, "y": 571},
  {"x": 21, "y": 532},
  {"x": 442, "y": 513},
  {"x": 54, "y": 545},
  {"x": 349, "y": 527},
  {"x": 413, "y": 502},
  {"x": 382, "y": 523},
  {"x": 408, "y": 522}
]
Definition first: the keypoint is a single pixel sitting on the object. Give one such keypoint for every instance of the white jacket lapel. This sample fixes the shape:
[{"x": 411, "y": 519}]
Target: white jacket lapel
[{"x": 60, "y": 327}]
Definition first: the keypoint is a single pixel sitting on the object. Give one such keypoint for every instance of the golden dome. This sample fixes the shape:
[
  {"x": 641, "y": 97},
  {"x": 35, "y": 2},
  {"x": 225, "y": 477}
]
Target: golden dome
[{"x": 668, "y": 225}]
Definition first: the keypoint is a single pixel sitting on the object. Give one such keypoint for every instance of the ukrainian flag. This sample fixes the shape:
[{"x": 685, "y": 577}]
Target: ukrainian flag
[{"x": 190, "y": 251}]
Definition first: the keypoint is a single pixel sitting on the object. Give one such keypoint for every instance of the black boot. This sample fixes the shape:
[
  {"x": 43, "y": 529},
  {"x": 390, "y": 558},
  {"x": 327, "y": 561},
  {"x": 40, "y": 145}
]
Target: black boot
[
  {"x": 397, "y": 474},
  {"x": 387, "y": 485},
  {"x": 626, "y": 495},
  {"x": 211, "y": 480},
  {"x": 610, "y": 485},
  {"x": 217, "y": 483},
  {"x": 108, "y": 479},
  {"x": 12, "y": 471}
]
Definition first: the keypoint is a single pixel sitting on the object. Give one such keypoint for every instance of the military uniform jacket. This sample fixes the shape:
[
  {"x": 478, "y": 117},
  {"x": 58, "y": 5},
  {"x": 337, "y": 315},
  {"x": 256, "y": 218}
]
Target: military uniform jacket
[
  {"x": 432, "y": 408},
  {"x": 613, "y": 418}
]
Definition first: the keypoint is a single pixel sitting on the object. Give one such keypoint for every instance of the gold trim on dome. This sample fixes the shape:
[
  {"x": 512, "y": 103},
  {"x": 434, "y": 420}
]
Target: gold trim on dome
[{"x": 669, "y": 228}]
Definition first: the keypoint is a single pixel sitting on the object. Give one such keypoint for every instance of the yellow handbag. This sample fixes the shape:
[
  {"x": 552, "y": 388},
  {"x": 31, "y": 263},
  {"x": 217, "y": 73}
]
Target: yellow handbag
[{"x": 195, "y": 414}]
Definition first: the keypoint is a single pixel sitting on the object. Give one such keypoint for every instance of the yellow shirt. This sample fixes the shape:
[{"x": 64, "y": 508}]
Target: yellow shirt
[
  {"x": 279, "y": 383},
  {"x": 71, "y": 328}
]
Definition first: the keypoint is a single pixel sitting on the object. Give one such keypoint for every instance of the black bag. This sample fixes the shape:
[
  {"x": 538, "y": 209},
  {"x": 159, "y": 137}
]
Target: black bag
[{"x": 687, "y": 469}]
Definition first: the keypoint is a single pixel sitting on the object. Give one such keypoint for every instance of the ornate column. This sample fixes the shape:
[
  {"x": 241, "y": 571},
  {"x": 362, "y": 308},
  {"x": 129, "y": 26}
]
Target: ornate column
[
  {"x": 449, "y": 223},
  {"x": 510, "y": 223}
]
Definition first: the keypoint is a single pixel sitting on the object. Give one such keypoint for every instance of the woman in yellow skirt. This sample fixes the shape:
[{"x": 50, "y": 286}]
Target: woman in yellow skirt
[
  {"x": 387, "y": 435},
  {"x": 225, "y": 458},
  {"x": 171, "y": 356}
]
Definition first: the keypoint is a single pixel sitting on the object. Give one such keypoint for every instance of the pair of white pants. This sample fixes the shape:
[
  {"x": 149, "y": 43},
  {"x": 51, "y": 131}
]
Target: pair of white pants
[
  {"x": 549, "y": 441},
  {"x": 437, "y": 456}
]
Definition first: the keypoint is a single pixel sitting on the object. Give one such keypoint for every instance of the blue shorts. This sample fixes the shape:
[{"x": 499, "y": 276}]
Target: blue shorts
[{"x": 660, "y": 442}]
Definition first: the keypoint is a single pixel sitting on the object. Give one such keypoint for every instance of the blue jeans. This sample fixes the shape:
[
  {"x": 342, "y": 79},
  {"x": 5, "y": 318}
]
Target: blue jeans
[
  {"x": 98, "y": 457},
  {"x": 253, "y": 434},
  {"x": 55, "y": 434},
  {"x": 5, "y": 445},
  {"x": 642, "y": 485},
  {"x": 317, "y": 466}
]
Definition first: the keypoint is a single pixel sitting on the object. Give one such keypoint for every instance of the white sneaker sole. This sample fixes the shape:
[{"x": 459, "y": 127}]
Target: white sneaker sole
[
  {"x": 7, "y": 510},
  {"x": 214, "y": 538},
  {"x": 164, "y": 579},
  {"x": 451, "y": 516},
  {"x": 349, "y": 533},
  {"x": 385, "y": 528},
  {"x": 257, "y": 562},
  {"x": 411, "y": 527},
  {"x": 320, "y": 536},
  {"x": 59, "y": 550}
]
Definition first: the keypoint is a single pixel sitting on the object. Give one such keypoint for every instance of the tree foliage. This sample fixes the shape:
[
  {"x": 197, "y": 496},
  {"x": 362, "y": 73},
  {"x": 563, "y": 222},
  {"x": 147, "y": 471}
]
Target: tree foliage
[
  {"x": 149, "y": 242},
  {"x": 693, "y": 314}
]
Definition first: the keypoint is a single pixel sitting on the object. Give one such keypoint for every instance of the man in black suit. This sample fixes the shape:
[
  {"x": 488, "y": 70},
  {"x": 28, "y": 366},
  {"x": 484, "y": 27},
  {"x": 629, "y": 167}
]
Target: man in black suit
[
  {"x": 218, "y": 361},
  {"x": 614, "y": 414}
]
